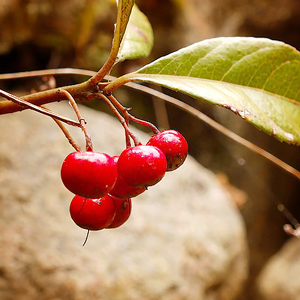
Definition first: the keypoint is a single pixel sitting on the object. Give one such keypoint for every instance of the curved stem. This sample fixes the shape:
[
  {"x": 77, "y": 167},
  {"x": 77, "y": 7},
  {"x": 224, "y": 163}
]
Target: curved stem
[
  {"x": 153, "y": 128},
  {"x": 120, "y": 118},
  {"x": 86, "y": 237},
  {"x": 124, "y": 11},
  {"x": 89, "y": 145},
  {"x": 123, "y": 80},
  {"x": 37, "y": 73},
  {"x": 126, "y": 114},
  {"x": 127, "y": 136},
  {"x": 67, "y": 134},
  {"x": 117, "y": 105}
]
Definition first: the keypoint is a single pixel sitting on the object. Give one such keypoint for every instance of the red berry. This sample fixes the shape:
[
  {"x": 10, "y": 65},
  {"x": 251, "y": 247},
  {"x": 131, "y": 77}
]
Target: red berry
[
  {"x": 173, "y": 145},
  {"x": 89, "y": 174},
  {"x": 123, "y": 210},
  {"x": 123, "y": 190},
  {"x": 142, "y": 165},
  {"x": 92, "y": 214}
]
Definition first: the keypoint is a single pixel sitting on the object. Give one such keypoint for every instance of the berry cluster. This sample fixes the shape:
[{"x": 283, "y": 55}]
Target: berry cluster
[{"x": 104, "y": 185}]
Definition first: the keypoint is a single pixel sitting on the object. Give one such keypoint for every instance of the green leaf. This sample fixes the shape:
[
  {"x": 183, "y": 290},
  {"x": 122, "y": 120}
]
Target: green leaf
[
  {"x": 138, "y": 38},
  {"x": 256, "y": 78}
]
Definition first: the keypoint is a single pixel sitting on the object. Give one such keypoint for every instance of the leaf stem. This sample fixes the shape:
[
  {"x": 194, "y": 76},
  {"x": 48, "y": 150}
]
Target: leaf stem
[
  {"x": 124, "y": 10},
  {"x": 123, "y": 80}
]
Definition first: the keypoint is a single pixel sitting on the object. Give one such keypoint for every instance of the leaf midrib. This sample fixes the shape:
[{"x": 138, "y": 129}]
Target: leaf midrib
[{"x": 155, "y": 77}]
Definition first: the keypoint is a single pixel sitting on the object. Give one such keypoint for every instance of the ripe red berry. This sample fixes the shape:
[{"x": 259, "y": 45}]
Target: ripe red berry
[
  {"x": 142, "y": 165},
  {"x": 89, "y": 174},
  {"x": 92, "y": 214},
  {"x": 123, "y": 210},
  {"x": 173, "y": 145},
  {"x": 122, "y": 189}
]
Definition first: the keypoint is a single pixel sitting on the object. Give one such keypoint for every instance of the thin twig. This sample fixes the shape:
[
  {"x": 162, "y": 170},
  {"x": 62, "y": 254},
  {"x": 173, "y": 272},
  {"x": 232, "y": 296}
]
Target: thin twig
[
  {"x": 48, "y": 96},
  {"x": 151, "y": 126},
  {"x": 161, "y": 113},
  {"x": 125, "y": 112},
  {"x": 37, "y": 73},
  {"x": 89, "y": 145},
  {"x": 119, "y": 117},
  {"x": 67, "y": 134},
  {"x": 36, "y": 108},
  {"x": 127, "y": 136},
  {"x": 114, "y": 103}
]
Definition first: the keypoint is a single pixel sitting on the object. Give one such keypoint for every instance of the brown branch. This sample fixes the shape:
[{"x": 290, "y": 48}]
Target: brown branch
[
  {"x": 44, "y": 97},
  {"x": 24, "y": 104}
]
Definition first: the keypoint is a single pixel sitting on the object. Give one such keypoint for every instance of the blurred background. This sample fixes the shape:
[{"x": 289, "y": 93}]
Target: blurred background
[{"x": 41, "y": 34}]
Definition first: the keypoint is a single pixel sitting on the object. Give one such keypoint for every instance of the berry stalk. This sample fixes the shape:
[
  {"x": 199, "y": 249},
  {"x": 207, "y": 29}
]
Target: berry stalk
[
  {"x": 120, "y": 118},
  {"x": 89, "y": 145},
  {"x": 125, "y": 112},
  {"x": 67, "y": 134}
]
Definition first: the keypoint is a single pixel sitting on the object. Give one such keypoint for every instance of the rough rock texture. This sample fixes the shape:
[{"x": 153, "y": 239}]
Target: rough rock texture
[
  {"x": 280, "y": 277},
  {"x": 184, "y": 240}
]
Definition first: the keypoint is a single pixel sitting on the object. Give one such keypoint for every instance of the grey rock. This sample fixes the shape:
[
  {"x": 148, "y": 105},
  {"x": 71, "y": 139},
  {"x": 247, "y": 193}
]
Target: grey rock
[
  {"x": 280, "y": 277},
  {"x": 185, "y": 238}
]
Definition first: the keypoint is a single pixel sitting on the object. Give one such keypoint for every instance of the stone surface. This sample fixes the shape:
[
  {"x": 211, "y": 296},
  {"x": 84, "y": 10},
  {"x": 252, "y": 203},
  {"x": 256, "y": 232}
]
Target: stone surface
[
  {"x": 184, "y": 240},
  {"x": 280, "y": 277}
]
